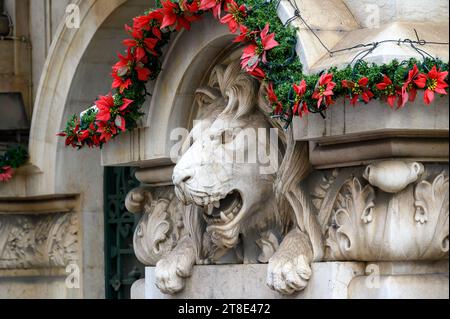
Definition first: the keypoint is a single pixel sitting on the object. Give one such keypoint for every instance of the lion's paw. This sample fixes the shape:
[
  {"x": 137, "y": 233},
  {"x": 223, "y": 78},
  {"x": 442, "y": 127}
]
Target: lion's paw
[
  {"x": 172, "y": 271},
  {"x": 288, "y": 274}
]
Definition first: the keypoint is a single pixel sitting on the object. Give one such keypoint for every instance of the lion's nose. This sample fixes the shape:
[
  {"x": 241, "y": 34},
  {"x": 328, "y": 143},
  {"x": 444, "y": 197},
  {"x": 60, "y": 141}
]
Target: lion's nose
[{"x": 182, "y": 176}]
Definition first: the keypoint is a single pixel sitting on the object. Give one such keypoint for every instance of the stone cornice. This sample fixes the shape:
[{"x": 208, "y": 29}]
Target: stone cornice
[{"x": 38, "y": 204}]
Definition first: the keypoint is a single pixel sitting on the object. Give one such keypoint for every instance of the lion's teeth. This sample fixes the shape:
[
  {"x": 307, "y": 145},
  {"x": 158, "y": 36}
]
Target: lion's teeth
[
  {"x": 224, "y": 218},
  {"x": 231, "y": 216},
  {"x": 209, "y": 209},
  {"x": 216, "y": 204}
]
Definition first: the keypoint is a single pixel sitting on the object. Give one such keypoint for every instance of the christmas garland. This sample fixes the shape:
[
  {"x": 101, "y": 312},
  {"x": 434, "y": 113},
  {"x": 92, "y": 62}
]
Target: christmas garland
[
  {"x": 13, "y": 158},
  {"x": 269, "y": 55}
]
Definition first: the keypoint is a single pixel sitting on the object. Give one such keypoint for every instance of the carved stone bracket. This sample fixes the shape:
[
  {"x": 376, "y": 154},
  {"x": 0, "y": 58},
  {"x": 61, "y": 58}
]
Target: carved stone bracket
[
  {"x": 161, "y": 226},
  {"x": 401, "y": 214}
]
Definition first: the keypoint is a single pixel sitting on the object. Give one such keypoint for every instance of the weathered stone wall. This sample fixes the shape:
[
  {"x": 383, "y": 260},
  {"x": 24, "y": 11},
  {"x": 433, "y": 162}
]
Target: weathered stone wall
[{"x": 70, "y": 69}]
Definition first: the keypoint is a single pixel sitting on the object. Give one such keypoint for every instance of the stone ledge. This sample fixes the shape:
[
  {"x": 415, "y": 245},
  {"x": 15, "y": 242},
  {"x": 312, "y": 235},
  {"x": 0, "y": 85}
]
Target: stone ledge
[
  {"x": 345, "y": 123},
  {"x": 332, "y": 280},
  {"x": 61, "y": 203},
  {"x": 329, "y": 281},
  {"x": 433, "y": 286}
]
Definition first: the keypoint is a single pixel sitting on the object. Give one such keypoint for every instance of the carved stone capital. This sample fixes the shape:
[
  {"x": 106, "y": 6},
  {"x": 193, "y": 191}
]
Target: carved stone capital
[{"x": 400, "y": 215}]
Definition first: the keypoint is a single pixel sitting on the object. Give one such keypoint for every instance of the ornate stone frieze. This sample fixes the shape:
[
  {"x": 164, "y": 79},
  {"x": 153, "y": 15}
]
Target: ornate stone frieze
[
  {"x": 38, "y": 241},
  {"x": 400, "y": 214}
]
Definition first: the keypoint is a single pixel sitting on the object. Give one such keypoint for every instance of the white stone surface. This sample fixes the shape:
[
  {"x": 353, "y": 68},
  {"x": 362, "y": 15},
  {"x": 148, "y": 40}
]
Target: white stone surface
[
  {"x": 345, "y": 23},
  {"x": 376, "y": 119},
  {"x": 329, "y": 281},
  {"x": 402, "y": 10},
  {"x": 433, "y": 286},
  {"x": 39, "y": 287},
  {"x": 411, "y": 280}
]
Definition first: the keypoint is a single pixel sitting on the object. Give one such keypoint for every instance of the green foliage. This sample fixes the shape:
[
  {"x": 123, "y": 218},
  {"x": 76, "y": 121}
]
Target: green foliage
[
  {"x": 14, "y": 157},
  {"x": 283, "y": 70},
  {"x": 284, "y": 67}
]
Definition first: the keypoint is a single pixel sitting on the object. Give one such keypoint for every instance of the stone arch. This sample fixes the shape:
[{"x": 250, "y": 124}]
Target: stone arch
[
  {"x": 61, "y": 65},
  {"x": 187, "y": 61}
]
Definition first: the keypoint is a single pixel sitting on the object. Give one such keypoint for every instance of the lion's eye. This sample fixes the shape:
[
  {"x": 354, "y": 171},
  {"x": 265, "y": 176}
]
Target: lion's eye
[{"x": 226, "y": 137}]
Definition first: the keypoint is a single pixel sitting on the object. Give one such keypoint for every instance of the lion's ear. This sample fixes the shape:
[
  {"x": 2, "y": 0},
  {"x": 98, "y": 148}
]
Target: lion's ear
[{"x": 263, "y": 103}]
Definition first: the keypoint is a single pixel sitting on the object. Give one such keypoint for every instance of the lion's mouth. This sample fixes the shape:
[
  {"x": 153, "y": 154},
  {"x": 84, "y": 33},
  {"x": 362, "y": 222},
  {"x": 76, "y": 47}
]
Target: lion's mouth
[{"x": 225, "y": 210}]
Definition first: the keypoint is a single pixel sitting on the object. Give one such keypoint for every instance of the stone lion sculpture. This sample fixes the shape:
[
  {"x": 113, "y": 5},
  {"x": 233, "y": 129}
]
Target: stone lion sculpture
[{"x": 238, "y": 209}]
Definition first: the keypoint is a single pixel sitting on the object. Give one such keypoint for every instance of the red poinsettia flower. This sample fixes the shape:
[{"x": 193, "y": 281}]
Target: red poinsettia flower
[
  {"x": 71, "y": 134},
  {"x": 389, "y": 91},
  {"x": 254, "y": 53},
  {"x": 83, "y": 135},
  {"x": 121, "y": 84},
  {"x": 215, "y": 5},
  {"x": 95, "y": 140},
  {"x": 104, "y": 105},
  {"x": 141, "y": 46},
  {"x": 268, "y": 42},
  {"x": 150, "y": 22},
  {"x": 107, "y": 131},
  {"x": 6, "y": 173},
  {"x": 120, "y": 70},
  {"x": 358, "y": 89},
  {"x": 434, "y": 82},
  {"x": 134, "y": 32},
  {"x": 193, "y": 8},
  {"x": 257, "y": 73},
  {"x": 125, "y": 105},
  {"x": 246, "y": 35},
  {"x": 123, "y": 67},
  {"x": 142, "y": 72},
  {"x": 72, "y": 138},
  {"x": 300, "y": 106},
  {"x": 235, "y": 17},
  {"x": 324, "y": 91},
  {"x": 176, "y": 16},
  {"x": 409, "y": 88},
  {"x": 273, "y": 99}
]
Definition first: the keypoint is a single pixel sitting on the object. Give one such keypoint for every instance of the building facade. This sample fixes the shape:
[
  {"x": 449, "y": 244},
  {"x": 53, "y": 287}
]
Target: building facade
[{"x": 369, "y": 192}]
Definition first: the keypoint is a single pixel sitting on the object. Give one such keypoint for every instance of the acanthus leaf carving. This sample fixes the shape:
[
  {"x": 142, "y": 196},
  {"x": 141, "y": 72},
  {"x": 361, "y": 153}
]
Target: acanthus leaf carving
[
  {"x": 432, "y": 199},
  {"x": 353, "y": 207},
  {"x": 161, "y": 226},
  {"x": 407, "y": 220},
  {"x": 38, "y": 241}
]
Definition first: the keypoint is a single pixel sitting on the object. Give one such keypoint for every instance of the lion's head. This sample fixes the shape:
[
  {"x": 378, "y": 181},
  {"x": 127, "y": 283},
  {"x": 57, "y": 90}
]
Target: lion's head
[{"x": 227, "y": 168}]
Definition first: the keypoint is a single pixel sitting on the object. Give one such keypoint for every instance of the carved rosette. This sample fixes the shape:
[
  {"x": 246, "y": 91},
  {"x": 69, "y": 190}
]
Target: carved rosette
[
  {"x": 38, "y": 241},
  {"x": 395, "y": 211}
]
